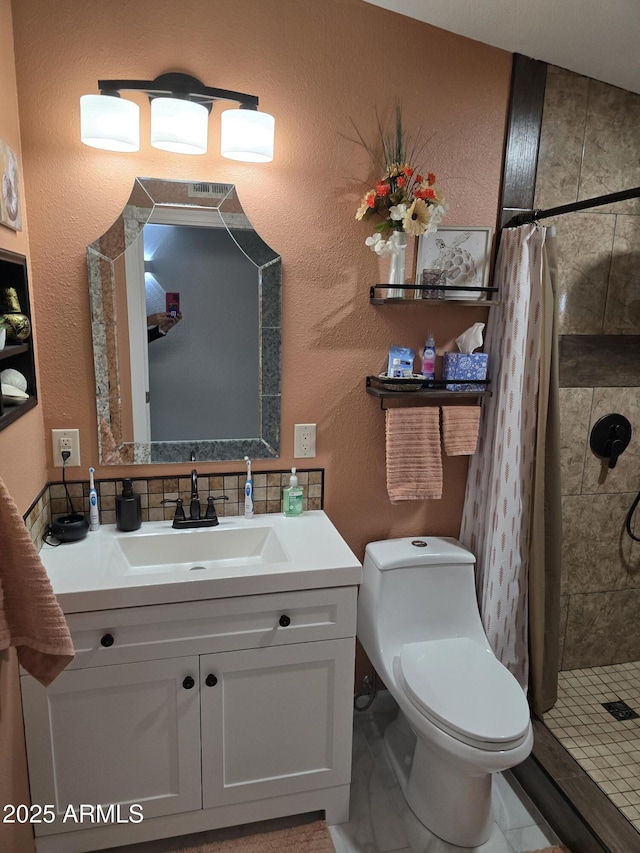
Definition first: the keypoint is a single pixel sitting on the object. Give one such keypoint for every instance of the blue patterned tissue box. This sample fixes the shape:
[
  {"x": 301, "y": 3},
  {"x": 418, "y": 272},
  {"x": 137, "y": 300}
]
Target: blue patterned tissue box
[{"x": 460, "y": 365}]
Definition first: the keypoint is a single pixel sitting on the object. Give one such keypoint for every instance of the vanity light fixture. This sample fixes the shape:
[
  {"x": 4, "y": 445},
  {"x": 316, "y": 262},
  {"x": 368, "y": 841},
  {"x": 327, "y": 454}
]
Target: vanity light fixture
[{"x": 180, "y": 107}]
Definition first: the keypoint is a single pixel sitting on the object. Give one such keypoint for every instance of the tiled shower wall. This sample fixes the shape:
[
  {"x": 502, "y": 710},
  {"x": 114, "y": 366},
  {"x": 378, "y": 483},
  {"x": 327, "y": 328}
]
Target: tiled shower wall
[
  {"x": 267, "y": 495},
  {"x": 590, "y": 146}
]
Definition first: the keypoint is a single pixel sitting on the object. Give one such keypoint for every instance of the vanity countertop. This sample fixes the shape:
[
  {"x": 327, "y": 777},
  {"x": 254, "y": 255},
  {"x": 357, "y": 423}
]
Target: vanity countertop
[{"x": 95, "y": 573}]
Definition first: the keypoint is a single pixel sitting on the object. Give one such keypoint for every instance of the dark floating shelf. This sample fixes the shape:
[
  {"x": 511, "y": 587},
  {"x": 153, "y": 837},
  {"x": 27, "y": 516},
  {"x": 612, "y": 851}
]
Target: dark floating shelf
[
  {"x": 435, "y": 390},
  {"x": 13, "y": 349},
  {"x": 377, "y": 295},
  {"x": 9, "y": 414}
]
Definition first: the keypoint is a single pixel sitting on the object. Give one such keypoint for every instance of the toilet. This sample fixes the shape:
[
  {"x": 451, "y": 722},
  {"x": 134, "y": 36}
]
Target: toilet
[{"x": 462, "y": 715}]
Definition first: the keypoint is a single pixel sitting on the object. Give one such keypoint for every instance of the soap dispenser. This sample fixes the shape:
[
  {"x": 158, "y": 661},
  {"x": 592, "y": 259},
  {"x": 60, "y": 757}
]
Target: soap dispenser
[
  {"x": 292, "y": 497},
  {"x": 128, "y": 508}
]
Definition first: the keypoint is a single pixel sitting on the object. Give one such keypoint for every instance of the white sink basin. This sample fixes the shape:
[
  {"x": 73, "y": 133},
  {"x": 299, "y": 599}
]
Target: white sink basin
[
  {"x": 157, "y": 564},
  {"x": 207, "y": 548}
]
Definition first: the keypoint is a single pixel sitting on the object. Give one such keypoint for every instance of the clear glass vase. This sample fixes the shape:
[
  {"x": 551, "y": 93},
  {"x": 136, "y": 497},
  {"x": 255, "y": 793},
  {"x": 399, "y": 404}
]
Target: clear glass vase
[{"x": 397, "y": 270}]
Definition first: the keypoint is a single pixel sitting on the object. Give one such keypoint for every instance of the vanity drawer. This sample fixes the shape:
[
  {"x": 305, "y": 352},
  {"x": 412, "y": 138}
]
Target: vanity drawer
[{"x": 107, "y": 637}]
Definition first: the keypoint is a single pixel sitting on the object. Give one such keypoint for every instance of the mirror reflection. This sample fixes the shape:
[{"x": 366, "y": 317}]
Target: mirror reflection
[{"x": 186, "y": 314}]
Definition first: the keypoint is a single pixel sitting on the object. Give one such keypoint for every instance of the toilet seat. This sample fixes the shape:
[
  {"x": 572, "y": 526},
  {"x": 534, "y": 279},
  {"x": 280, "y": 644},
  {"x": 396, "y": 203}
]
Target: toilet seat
[{"x": 463, "y": 689}]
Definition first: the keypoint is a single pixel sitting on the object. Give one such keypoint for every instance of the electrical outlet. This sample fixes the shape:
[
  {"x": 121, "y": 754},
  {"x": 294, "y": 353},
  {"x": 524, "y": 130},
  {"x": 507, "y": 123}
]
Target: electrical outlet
[
  {"x": 304, "y": 441},
  {"x": 66, "y": 439}
]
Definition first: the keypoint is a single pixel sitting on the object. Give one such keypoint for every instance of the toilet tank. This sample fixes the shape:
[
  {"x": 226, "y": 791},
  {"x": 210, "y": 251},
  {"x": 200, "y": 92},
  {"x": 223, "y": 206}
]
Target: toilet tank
[{"x": 412, "y": 591}]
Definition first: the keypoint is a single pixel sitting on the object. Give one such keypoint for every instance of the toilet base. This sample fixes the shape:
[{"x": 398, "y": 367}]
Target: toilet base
[{"x": 455, "y": 806}]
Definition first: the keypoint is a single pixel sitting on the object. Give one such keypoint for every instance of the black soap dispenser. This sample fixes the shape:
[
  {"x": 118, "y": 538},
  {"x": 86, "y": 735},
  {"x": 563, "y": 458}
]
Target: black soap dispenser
[{"x": 128, "y": 508}]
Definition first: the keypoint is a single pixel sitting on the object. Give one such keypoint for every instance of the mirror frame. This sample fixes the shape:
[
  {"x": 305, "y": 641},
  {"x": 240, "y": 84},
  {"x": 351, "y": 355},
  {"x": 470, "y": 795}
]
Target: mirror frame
[{"x": 102, "y": 257}]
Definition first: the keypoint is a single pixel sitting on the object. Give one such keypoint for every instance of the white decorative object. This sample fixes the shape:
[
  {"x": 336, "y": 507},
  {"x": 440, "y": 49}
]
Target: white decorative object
[
  {"x": 11, "y": 395},
  {"x": 3, "y": 337},
  {"x": 11, "y": 376},
  {"x": 397, "y": 267}
]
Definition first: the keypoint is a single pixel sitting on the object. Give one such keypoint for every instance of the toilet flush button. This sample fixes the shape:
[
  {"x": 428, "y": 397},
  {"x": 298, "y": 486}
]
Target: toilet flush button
[{"x": 419, "y": 543}]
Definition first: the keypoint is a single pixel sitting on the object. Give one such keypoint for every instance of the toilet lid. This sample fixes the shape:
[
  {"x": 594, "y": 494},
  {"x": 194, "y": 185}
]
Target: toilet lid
[{"x": 464, "y": 689}]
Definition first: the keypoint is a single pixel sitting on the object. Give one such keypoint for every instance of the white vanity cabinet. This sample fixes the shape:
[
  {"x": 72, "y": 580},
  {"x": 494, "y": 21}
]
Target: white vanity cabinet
[{"x": 205, "y": 713}]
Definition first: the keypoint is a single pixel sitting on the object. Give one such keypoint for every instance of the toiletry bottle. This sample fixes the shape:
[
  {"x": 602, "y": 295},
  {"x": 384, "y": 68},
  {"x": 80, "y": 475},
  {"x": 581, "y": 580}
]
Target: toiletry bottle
[
  {"x": 248, "y": 491},
  {"x": 94, "y": 515},
  {"x": 128, "y": 508},
  {"x": 292, "y": 497},
  {"x": 429, "y": 357}
]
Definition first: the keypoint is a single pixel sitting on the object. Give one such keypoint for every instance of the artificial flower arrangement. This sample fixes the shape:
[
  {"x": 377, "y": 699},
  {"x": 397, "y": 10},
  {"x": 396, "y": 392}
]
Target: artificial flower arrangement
[{"x": 404, "y": 199}]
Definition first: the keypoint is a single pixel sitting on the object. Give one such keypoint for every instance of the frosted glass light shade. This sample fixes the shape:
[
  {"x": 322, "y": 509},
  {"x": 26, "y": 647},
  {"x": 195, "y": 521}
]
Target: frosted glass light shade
[
  {"x": 110, "y": 123},
  {"x": 179, "y": 126},
  {"x": 247, "y": 135}
]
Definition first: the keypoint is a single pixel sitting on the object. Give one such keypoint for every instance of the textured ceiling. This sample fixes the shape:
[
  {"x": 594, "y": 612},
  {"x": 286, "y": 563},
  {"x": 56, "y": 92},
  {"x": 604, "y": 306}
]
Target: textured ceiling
[{"x": 590, "y": 37}]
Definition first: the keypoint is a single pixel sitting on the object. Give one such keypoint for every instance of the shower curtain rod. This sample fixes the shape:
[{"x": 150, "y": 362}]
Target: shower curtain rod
[{"x": 533, "y": 215}]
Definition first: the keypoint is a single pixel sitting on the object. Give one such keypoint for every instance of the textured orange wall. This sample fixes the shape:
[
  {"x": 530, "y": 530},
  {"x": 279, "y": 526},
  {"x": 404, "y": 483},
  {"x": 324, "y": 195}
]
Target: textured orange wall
[
  {"x": 23, "y": 469},
  {"x": 315, "y": 67},
  {"x": 23, "y": 463}
]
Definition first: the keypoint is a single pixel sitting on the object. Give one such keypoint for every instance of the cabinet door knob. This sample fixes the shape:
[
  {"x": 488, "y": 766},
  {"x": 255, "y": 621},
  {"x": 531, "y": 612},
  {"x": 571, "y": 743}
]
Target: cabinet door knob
[
  {"x": 188, "y": 683},
  {"x": 284, "y": 621},
  {"x": 107, "y": 640},
  {"x": 211, "y": 681}
]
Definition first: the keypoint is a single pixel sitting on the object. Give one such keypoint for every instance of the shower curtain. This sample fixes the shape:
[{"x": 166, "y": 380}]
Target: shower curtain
[{"x": 511, "y": 509}]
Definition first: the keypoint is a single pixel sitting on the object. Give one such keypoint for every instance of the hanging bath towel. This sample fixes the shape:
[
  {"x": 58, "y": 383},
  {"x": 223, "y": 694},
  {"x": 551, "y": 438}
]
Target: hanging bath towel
[
  {"x": 460, "y": 429},
  {"x": 414, "y": 459},
  {"x": 30, "y": 617}
]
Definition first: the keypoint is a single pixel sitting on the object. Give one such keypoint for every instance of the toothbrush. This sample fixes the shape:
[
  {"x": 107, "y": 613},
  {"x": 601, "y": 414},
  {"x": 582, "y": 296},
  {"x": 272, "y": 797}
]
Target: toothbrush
[
  {"x": 94, "y": 515},
  {"x": 248, "y": 491}
]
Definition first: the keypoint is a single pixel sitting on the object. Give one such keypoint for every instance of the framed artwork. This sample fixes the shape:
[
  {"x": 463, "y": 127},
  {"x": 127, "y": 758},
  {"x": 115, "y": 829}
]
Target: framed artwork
[
  {"x": 10, "y": 212},
  {"x": 462, "y": 254}
]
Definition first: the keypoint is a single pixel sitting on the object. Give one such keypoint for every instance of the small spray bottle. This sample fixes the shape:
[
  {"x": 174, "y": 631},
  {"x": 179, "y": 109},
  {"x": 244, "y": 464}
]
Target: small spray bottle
[
  {"x": 248, "y": 491},
  {"x": 94, "y": 515}
]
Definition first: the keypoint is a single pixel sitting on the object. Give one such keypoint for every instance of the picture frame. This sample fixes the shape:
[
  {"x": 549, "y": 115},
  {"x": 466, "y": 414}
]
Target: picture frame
[
  {"x": 10, "y": 207},
  {"x": 463, "y": 253}
]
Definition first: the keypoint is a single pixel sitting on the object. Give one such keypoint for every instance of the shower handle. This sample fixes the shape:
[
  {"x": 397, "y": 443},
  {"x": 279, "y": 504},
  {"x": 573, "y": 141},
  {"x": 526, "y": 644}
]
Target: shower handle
[{"x": 610, "y": 437}]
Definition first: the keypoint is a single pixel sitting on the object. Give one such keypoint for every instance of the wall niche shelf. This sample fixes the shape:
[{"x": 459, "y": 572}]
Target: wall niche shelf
[
  {"x": 377, "y": 295},
  {"x": 435, "y": 391},
  {"x": 20, "y": 356}
]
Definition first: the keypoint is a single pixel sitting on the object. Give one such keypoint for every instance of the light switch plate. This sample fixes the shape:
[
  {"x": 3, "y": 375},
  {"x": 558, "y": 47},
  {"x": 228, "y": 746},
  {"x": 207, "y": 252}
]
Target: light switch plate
[{"x": 304, "y": 441}]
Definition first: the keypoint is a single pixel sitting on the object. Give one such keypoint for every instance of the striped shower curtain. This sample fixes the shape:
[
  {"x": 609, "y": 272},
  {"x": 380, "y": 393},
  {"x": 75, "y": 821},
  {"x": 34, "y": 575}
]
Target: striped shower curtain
[{"x": 499, "y": 505}]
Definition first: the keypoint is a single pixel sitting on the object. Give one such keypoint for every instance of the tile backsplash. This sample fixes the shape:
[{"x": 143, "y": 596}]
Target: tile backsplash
[{"x": 267, "y": 496}]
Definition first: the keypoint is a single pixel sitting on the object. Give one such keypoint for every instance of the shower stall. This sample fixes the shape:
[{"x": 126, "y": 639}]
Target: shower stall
[{"x": 587, "y": 155}]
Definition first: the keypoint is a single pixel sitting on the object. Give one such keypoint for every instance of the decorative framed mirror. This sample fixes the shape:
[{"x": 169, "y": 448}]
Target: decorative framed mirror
[{"x": 186, "y": 306}]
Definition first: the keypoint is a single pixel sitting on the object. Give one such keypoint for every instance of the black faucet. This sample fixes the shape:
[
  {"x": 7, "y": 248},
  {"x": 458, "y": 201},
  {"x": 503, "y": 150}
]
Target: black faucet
[
  {"x": 194, "y": 506},
  {"x": 210, "y": 518}
]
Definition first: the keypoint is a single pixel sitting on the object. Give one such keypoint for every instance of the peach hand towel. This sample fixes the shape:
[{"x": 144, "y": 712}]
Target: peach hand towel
[
  {"x": 460, "y": 429},
  {"x": 30, "y": 617},
  {"x": 414, "y": 459}
]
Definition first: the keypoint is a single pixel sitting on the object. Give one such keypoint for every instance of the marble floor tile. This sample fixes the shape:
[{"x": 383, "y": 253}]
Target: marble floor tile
[
  {"x": 381, "y": 821},
  {"x": 512, "y": 808},
  {"x": 518, "y": 823},
  {"x": 529, "y": 838},
  {"x": 374, "y": 825}
]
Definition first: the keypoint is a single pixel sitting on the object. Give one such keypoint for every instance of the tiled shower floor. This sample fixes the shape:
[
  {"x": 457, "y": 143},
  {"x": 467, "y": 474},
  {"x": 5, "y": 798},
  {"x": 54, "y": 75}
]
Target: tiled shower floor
[{"x": 606, "y": 748}]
